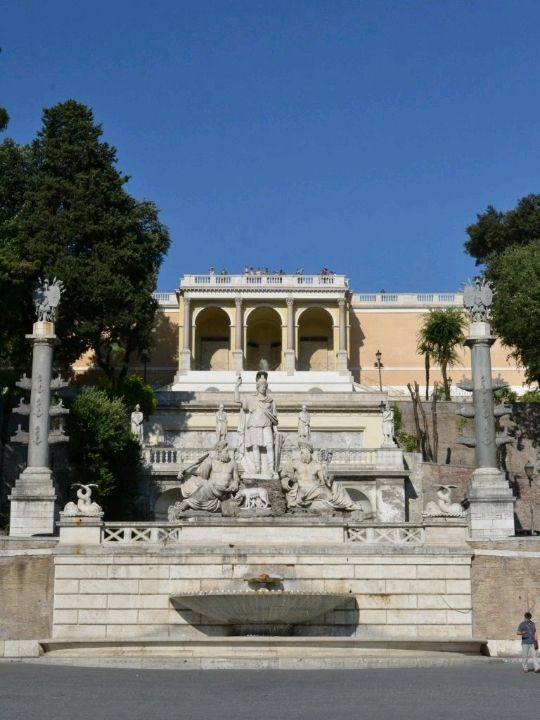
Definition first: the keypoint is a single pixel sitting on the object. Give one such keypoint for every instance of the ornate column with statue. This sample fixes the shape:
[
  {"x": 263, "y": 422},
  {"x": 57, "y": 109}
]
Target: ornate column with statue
[
  {"x": 490, "y": 498},
  {"x": 33, "y": 497}
]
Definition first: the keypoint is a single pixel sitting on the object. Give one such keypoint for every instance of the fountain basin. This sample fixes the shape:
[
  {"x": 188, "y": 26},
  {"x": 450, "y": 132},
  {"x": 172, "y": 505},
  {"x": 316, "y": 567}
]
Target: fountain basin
[{"x": 250, "y": 607}]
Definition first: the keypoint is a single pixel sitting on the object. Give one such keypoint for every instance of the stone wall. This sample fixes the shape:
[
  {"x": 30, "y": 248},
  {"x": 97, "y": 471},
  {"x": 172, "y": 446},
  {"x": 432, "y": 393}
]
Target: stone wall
[
  {"x": 395, "y": 592},
  {"x": 26, "y": 596},
  {"x": 505, "y": 584}
]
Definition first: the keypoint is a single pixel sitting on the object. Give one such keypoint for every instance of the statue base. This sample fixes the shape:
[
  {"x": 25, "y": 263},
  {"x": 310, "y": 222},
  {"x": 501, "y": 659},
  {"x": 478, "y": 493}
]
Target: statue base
[
  {"x": 32, "y": 510},
  {"x": 491, "y": 505},
  {"x": 272, "y": 486}
]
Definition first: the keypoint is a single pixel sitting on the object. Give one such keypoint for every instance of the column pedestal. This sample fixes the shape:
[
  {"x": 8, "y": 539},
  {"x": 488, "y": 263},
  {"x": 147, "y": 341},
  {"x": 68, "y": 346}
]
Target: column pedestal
[
  {"x": 33, "y": 498},
  {"x": 289, "y": 357},
  {"x": 184, "y": 365},
  {"x": 342, "y": 362},
  {"x": 491, "y": 504},
  {"x": 238, "y": 361}
]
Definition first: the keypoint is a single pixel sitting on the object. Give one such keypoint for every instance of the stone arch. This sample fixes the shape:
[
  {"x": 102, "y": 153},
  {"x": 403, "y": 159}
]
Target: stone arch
[
  {"x": 358, "y": 496},
  {"x": 263, "y": 338},
  {"x": 212, "y": 339},
  {"x": 167, "y": 498},
  {"x": 316, "y": 340}
]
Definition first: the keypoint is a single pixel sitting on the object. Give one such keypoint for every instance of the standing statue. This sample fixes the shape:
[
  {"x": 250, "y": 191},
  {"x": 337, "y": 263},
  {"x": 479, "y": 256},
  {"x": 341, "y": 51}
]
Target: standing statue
[
  {"x": 477, "y": 299},
  {"x": 221, "y": 424},
  {"x": 388, "y": 426},
  {"x": 46, "y": 298},
  {"x": 137, "y": 419},
  {"x": 304, "y": 425},
  {"x": 215, "y": 478},
  {"x": 307, "y": 484},
  {"x": 257, "y": 429}
]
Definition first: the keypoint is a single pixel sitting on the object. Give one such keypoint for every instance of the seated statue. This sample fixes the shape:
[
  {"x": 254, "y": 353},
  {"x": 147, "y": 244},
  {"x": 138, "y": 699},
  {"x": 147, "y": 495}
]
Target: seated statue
[
  {"x": 213, "y": 479},
  {"x": 307, "y": 485}
]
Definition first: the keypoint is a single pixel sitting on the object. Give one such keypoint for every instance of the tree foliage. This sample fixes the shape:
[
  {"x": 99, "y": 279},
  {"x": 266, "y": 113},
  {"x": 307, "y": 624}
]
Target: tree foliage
[
  {"x": 508, "y": 244},
  {"x": 442, "y": 331},
  {"x": 134, "y": 391},
  {"x": 65, "y": 212},
  {"x": 103, "y": 449}
]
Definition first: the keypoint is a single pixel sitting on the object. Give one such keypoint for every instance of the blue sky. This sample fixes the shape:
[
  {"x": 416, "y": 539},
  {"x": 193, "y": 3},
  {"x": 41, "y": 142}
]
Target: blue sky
[{"x": 358, "y": 135}]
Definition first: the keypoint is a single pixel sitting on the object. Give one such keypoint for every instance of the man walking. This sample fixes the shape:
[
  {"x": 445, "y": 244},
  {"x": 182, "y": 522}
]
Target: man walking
[{"x": 529, "y": 643}]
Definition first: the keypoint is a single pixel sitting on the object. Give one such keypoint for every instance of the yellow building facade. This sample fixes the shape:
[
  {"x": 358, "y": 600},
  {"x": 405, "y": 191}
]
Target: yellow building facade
[{"x": 310, "y": 331}]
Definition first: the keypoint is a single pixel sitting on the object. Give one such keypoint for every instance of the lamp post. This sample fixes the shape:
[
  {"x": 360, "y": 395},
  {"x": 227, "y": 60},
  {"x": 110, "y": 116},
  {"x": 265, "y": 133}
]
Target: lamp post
[
  {"x": 145, "y": 357},
  {"x": 529, "y": 472},
  {"x": 379, "y": 366}
]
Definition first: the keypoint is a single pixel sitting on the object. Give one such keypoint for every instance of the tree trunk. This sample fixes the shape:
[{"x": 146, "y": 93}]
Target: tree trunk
[
  {"x": 427, "y": 367},
  {"x": 445, "y": 380},
  {"x": 434, "y": 423},
  {"x": 428, "y": 451}
]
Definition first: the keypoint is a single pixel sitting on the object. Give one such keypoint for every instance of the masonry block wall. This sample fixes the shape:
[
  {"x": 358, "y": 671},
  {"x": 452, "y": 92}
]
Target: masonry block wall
[{"x": 396, "y": 593}]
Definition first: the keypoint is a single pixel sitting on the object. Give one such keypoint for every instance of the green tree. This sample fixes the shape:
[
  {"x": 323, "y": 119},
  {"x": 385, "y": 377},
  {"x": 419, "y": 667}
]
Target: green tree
[
  {"x": 103, "y": 450},
  {"x": 133, "y": 390},
  {"x": 442, "y": 331},
  {"x": 508, "y": 245},
  {"x": 75, "y": 220}
]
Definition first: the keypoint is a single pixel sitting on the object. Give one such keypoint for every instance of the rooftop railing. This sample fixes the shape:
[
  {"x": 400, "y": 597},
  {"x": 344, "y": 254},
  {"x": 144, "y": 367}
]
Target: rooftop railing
[
  {"x": 408, "y": 299},
  {"x": 266, "y": 280}
]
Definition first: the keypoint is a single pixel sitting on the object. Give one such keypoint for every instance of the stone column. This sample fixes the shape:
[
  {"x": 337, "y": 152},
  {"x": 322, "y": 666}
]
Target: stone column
[
  {"x": 342, "y": 351},
  {"x": 238, "y": 352},
  {"x": 290, "y": 354},
  {"x": 185, "y": 353},
  {"x": 33, "y": 497},
  {"x": 491, "y": 502}
]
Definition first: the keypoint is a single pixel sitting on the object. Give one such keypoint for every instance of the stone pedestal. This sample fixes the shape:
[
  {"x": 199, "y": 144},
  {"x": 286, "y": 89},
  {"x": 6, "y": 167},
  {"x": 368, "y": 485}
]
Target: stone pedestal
[
  {"x": 184, "y": 364},
  {"x": 342, "y": 362},
  {"x": 491, "y": 505},
  {"x": 80, "y": 529},
  {"x": 238, "y": 361},
  {"x": 33, "y": 500},
  {"x": 289, "y": 362}
]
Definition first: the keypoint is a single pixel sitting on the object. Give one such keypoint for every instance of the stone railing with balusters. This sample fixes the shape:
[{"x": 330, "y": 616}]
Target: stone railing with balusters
[
  {"x": 408, "y": 299},
  {"x": 270, "y": 280},
  {"x": 163, "y": 460}
]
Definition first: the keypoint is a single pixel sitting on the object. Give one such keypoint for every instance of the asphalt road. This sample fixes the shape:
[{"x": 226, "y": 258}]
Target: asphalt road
[{"x": 40, "y": 692}]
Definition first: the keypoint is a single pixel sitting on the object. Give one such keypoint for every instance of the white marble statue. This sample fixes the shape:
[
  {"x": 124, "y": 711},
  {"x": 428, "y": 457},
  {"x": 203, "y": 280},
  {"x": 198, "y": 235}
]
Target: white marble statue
[
  {"x": 307, "y": 484},
  {"x": 137, "y": 420},
  {"x": 84, "y": 506},
  {"x": 304, "y": 425},
  {"x": 221, "y": 424},
  {"x": 210, "y": 481},
  {"x": 444, "y": 505},
  {"x": 255, "y": 498},
  {"x": 388, "y": 426},
  {"x": 258, "y": 439}
]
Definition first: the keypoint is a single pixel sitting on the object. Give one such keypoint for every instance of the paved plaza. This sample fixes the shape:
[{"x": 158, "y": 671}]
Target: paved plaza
[{"x": 44, "y": 692}]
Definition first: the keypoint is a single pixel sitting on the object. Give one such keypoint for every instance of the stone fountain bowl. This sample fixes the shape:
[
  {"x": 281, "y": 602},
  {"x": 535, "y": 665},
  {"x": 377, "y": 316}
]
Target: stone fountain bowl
[{"x": 260, "y": 607}]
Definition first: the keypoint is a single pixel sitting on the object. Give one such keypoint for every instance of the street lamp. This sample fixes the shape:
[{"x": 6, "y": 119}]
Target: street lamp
[
  {"x": 145, "y": 357},
  {"x": 379, "y": 366},
  {"x": 529, "y": 472}
]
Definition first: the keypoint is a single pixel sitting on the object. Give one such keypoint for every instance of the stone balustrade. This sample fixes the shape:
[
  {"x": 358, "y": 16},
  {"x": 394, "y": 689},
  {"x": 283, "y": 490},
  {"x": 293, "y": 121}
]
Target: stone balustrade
[
  {"x": 163, "y": 460},
  {"x": 263, "y": 280}
]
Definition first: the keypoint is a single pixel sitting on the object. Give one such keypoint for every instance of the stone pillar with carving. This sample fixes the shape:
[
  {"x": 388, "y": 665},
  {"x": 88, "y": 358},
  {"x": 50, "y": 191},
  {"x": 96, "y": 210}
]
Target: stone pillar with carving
[
  {"x": 238, "y": 352},
  {"x": 490, "y": 498},
  {"x": 290, "y": 353},
  {"x": 342, "y": 351},
  {"x": 33, "y": 497},
  {"x": 185, "y": 352}
]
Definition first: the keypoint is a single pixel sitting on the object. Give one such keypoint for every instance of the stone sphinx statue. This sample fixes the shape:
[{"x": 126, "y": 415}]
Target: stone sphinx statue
[
  {"x": 307, "y": 484},
  {"x": 444, "y": 506},
  {"x": 207, "y": 483},
  {"x": 84, "y": 506}
]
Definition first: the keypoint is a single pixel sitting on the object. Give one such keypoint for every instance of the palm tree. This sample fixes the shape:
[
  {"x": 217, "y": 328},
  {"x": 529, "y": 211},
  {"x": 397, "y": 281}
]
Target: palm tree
[{"x": 441, "y": 332}]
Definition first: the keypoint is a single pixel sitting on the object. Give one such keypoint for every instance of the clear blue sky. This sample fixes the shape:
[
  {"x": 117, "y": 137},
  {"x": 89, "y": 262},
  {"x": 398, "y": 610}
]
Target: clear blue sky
[{"x": 358, "y": 135}]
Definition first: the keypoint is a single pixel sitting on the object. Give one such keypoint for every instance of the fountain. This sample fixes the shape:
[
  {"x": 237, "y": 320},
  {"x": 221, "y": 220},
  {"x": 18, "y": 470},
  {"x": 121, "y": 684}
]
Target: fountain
[{"x": 265, "y": 609}]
